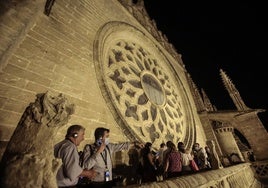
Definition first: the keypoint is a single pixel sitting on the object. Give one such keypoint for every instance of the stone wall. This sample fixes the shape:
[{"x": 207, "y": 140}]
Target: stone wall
[
  {"x": 42, "y": 53},
  {"x": 55, "y": 52},
  {"x": 58, "y": 51}
]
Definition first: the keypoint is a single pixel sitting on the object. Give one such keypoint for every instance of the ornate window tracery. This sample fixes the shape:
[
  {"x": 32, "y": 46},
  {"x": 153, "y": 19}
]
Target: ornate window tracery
[{"x": 143, "y": 89}]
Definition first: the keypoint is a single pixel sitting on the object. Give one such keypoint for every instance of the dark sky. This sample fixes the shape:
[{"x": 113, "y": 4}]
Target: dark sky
[{"x": 219, "y": 35}]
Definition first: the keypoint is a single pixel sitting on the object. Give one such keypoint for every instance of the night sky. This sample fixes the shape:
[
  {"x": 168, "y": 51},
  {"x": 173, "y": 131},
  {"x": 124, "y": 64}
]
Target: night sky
[{"x": 219, "y": 35}]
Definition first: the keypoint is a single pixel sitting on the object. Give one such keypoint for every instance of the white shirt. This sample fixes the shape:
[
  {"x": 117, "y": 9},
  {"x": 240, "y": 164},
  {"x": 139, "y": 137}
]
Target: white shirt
[
  {"x": 97, "y": 162},
  {"x": 68, "y": 173},
  {"x": 186, "y": 157}
]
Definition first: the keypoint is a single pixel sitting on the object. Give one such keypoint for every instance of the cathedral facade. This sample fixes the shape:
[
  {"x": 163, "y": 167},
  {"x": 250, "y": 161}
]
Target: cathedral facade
[{"x": 117, "y": 70}]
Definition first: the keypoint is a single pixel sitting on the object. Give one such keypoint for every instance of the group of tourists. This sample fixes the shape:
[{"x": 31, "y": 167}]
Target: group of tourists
[
  {"x": 92, "y": 167},
  {"x": 169, "y": 161}
]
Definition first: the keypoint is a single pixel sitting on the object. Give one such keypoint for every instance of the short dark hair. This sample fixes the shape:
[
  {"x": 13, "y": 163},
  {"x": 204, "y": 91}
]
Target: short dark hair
[
  {"x": 181, "y": 147},
  {"x": 196, "y": 144},
  {"x": 162, "y": 145},
  {"x": 73, "y": 129},
  {"x": 180, "y": 144},
  {"x": 168, "y": 143},
  {"x": 99, "y": 132},
  {"x": 148, "y": 144}
]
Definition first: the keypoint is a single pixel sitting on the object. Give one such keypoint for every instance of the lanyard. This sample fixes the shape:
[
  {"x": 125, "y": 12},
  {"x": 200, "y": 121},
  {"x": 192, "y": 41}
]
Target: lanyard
[{"x": 104, "y": 158}]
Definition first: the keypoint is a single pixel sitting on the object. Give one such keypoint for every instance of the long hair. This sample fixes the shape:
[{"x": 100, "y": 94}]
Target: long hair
[{"x": 172, "y": 147}]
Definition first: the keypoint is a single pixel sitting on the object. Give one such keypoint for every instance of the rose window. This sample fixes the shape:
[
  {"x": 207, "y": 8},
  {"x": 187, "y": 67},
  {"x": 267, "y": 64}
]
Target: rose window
[{"x": 144, "y": 92}]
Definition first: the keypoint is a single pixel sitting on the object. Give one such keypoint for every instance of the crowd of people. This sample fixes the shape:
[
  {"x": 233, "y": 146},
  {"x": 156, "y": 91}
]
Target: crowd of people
[
  {"x": 93, "y": 166},
  {"x": 169, "y": 161}
]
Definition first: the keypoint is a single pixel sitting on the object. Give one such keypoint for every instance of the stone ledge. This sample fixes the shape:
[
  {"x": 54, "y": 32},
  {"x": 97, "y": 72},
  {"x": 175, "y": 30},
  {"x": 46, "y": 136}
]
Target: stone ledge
[{"x": 240, "y": 175}]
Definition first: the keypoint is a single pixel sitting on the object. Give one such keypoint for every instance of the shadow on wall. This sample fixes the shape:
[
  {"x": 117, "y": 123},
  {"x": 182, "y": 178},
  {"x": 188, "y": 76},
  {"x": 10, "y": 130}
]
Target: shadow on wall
[{"x": 5, "y": 5}]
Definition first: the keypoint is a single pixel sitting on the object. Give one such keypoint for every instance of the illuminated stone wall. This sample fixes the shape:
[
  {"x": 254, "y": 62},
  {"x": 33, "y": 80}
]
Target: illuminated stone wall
[{"x": 104, "y": 61}]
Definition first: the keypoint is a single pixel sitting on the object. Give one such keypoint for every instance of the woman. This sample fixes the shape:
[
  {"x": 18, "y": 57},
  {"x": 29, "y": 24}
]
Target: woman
[
  {"x": 172, "y": 163},
  {"x": 187, "y": 158},
  {"x": 148, "y": 162}
]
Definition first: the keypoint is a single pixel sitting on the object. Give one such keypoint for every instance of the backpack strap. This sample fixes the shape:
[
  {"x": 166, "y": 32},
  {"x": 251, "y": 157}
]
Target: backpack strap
[
  {"x": 109, "y": 153},
  {"x": 81, "y": 155}
]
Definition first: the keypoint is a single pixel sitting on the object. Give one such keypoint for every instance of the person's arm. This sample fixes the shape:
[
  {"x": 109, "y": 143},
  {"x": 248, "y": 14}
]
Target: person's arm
[
  {"x": 115, "y": 147},
  {"x": 90, "y": 174},
  {"x": 166, "y": 163},
  {"x": 123, "y": 146},
  {"x": 203, "y": 155},
  {"x": 190, "y": 157},
  {"x": 70, "y": 162},
  {"x": 151, "y": 159}
]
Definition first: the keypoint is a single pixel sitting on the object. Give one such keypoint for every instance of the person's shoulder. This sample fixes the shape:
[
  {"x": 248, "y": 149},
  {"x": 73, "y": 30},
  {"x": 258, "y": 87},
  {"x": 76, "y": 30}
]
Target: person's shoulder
[
  {"x": 132, "y": 150},
  {"x": 65, "y": 142},
  {"x": 90, "y": 147},
  {"x": 187, "y": 151},
  {"x": 66, "y": 145},
  {"x": 59, "y": 143}
]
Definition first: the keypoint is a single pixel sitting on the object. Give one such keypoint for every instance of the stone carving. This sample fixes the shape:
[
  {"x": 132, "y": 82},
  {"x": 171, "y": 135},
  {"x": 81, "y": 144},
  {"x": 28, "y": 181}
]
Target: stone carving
[
  {"x": 215, "y": 160},
  {"x": 28, "y": 160}
]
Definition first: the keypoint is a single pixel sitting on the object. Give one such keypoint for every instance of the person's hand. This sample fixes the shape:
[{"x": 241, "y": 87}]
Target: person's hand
[
  {"x": 165, "y": 175},
  {"x": 138, "y": 144},
  {"x": 90, "y": 174},
  {"x": 101, "y": 147}
]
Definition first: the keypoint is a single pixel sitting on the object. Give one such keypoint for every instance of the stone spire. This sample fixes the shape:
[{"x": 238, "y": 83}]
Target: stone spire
[
  {"x": 208, "y": 105},
  {"x": 195, "y": 92},
  {"x": 233, "y": 92}
]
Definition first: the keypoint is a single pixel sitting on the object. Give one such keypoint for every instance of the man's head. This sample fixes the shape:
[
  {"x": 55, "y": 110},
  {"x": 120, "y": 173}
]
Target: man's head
[
  {"x": 196, "y": 146},
  {"x": 181, "y": 145},
  {"x": 168, "y": 144},
  {"x": 207, "y": 149},
  {"x": 76, "y": 134},
  {"x": 148, "y": 144},
  {"x": 102, "y": 133}
]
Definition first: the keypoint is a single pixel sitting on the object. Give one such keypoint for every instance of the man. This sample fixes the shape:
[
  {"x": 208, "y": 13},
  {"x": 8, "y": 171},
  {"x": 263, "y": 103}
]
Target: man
[
  {"x": 200, "y": 156},
  {"x": 70, "y": 170},
  {"x": 167, "y": 150},
  {"x": 134, "y": 159},
  {"x": 102, "y": 163}
]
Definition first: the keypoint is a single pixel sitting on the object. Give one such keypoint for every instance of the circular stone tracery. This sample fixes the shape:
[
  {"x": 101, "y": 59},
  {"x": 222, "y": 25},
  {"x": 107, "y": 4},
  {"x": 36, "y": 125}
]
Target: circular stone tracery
[
  {"x": 129, "y": 65},
  {"x": 144, "y": 93}
]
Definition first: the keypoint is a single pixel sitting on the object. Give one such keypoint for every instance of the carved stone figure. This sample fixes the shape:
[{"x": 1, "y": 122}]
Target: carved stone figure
[{"x": 28, "y": 160}]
